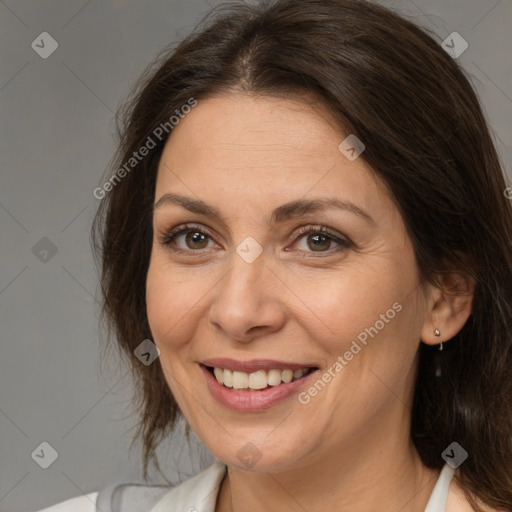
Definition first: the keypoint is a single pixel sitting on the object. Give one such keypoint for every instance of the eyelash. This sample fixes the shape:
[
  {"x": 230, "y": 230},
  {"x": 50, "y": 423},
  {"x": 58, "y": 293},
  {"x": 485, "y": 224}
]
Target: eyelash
[{"x": 168, "y": 238}]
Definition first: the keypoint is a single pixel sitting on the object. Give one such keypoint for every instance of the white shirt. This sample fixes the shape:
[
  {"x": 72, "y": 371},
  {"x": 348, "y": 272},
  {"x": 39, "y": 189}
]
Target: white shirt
[{"x": 199, "y": 494}]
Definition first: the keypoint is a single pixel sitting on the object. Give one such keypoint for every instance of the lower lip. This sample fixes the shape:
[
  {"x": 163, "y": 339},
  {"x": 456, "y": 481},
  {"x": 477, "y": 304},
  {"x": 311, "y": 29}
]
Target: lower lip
[{"x": 253, "y": 400}]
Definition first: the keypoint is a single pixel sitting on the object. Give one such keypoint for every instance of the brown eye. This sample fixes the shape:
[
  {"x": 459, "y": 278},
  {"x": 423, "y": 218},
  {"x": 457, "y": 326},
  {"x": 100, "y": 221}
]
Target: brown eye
[
  {"x": 320, "y": 240},
  {"x": 195, "y": 238}
]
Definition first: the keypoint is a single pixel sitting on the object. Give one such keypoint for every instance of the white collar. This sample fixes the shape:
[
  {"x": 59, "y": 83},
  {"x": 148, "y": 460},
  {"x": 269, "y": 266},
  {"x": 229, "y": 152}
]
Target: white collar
[
  {"x": 199, "y": 493},
  {"x": 439, "y": 496}
]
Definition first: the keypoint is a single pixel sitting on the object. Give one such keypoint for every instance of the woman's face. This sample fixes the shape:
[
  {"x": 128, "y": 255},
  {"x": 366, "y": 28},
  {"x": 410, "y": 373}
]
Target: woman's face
[{"x": 259, "y": 294}]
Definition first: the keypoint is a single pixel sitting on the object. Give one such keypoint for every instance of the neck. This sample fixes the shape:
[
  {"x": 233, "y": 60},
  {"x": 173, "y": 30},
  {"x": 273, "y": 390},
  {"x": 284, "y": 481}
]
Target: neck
[{"x": 357, "y": 477}]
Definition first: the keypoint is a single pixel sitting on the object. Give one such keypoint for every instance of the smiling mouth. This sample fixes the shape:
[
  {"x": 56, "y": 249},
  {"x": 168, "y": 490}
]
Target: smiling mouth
[{"x": 256, "y": 381}]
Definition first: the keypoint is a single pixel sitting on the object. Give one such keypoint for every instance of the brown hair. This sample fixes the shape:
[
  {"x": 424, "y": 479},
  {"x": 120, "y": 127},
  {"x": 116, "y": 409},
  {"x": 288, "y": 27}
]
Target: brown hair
[{"x": 390, "y": 83}]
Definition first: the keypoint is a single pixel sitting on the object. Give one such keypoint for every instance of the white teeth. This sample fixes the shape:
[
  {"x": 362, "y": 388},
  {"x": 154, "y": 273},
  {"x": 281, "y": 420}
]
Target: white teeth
[
  {"x": 227, "y": 377},
  {"x": 297, "y": 374},
  {"x": 274, "y": 377},
  {"x": 240, "y": 380},
  {"x": 219, "y": 375},
  {"x": 287, "y": 376},
  {"x": 256, "y": 380}
]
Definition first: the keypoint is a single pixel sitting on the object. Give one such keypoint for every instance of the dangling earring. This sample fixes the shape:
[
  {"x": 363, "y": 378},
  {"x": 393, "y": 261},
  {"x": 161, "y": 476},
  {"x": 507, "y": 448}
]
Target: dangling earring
[{"x": 437, "y": 333}]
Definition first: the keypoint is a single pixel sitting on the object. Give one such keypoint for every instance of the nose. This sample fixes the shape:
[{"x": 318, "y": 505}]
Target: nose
[{"x": 248, "y": 301}]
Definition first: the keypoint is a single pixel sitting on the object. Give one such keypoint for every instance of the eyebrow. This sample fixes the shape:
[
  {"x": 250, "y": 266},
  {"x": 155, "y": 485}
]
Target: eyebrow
[{"x": 282, "y": 213}]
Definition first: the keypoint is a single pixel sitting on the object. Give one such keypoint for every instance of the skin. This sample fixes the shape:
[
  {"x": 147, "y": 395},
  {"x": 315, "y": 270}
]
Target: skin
[{"x": 348, "y": 448}]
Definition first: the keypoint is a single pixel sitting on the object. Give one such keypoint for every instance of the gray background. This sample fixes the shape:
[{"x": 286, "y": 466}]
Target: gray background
[{"x": 57, "y": 137}]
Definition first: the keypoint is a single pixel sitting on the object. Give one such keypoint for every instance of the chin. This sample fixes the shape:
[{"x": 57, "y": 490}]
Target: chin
[{"x": 257, "y": 457}]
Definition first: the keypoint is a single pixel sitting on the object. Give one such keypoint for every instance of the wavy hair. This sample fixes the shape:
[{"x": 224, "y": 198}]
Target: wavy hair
[{"x": 390, "y": 82}]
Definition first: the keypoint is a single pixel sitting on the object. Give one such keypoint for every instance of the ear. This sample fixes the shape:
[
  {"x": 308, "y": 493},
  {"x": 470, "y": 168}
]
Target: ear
[{"x": 449, "y": 307}]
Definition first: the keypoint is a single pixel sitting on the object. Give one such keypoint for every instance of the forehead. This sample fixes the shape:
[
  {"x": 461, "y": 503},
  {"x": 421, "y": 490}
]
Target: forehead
[
  {"x": 264, "y": 148},
  {"x": 245, "y": 123}
]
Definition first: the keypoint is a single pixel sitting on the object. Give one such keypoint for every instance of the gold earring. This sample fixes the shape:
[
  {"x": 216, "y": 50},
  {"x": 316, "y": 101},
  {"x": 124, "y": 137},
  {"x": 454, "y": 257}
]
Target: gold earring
[{"x": 437, "y": 333}]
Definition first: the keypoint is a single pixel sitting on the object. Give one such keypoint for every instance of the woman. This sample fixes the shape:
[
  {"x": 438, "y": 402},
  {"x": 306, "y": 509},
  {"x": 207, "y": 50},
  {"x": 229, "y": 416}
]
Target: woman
[{"x": 308, "y": 229}]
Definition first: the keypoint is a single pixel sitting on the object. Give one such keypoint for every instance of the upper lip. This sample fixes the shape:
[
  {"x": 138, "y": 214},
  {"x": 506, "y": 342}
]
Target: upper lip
[{"x": 254, "y": 364}]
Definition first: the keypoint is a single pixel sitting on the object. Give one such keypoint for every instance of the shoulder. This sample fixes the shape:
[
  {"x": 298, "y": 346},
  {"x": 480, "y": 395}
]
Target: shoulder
[
  {"x": 85, "y": 503},
  {"x": 136, "y": 497},
  {"x": 120, "y": 497},
  {"x": 202, "y": 488}
]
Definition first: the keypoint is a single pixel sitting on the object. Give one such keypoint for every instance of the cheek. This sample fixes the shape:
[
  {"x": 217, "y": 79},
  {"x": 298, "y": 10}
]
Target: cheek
[
  {"x": 370, "y": 319},
  {"x": 170, "y": 303},
  {"x": 170, "y": 312},
  {"x": 346, "y": 303}
]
